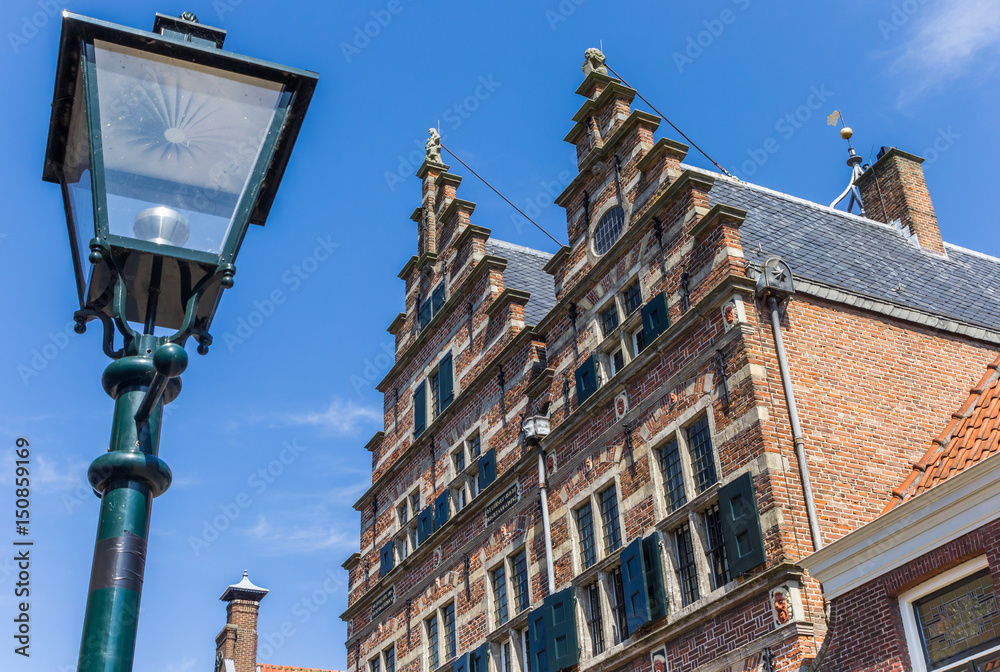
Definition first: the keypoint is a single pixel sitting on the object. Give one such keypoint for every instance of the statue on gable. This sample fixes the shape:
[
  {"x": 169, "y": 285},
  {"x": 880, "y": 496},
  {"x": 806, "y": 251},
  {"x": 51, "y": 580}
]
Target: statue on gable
[
  {"x": 433, "y": 147},
  {"x": 593, "y": 61}
]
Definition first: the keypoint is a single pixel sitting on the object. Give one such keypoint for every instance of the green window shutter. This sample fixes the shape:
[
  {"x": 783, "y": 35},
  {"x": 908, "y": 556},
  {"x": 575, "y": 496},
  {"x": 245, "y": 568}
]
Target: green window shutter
[
  {"x": 442, "y": 509},
  {"x": 437, "y": 299},
  {"x": 653, "y": 570},
  {"x": 425, "y": 524},
  {"x": 586, "y": 380},
  {"x": 462, "y": 663},
  {"x": 655, "y": 317},
  {"x": 446, "y": 377},
  {"x": 634, "y": 583},
  {"x": 479, "y": 659},
  {"x": 560, "y": 630},
  {"x": 741, "y": 525},
  {"x": 536, "y": 641},
  {"x": 487, "y": 468},
  {"x": 387, "y": 558},
  {"x": 424, "y": 313},
  {"x": 420, "y": 409}
]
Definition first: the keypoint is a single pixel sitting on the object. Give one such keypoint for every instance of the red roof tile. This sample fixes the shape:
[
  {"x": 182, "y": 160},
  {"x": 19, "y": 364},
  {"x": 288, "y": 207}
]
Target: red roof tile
[{"x": 971, "y": 436}]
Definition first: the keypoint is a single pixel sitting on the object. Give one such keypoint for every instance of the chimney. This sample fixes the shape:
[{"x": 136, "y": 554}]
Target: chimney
[
  {"x": 894, "y": 189},
  {"x": 236, "y": 644}
]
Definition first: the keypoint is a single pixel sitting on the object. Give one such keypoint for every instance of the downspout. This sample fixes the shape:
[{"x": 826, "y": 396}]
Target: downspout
[
  {"x": 543, "y": 486},
  {"x": 775, "y": 284}
]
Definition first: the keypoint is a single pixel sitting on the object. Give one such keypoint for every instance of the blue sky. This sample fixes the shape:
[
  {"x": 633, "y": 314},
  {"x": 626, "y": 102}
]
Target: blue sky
[{"x": 301, "y": 341}]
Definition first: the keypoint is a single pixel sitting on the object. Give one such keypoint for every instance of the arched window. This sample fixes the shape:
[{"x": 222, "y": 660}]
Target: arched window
[{"x": 609, "y": 229}]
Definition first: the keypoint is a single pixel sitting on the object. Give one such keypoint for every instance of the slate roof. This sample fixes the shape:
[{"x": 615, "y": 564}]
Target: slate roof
[
  {"x": 852, "y": 253},
  {"x": 972, "y": 435},
  {"x": 525, "y": 272}
]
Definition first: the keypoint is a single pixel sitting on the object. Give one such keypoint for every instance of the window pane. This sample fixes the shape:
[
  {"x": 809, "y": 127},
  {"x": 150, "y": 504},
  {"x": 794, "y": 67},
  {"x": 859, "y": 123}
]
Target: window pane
[
  {"x": 500, "y": 594},
  {"x": 432, "y": 642},
  {"x": 609, "y": 229},
  {"x": 633, "y": 298},
  {"x": 521, "y": 581},
  {"x": 596, "y": 622},
  {"x": 959, "y": 620},
  {"x": 505, "y": 662},
  {"x": 459, "y": 461},
  {"x": 474, "y": 449},
  {"x": 181, "y": 138},
  {"x": 717, "y": 560},
  {"x": 609, "y": 319},
  {"x": 687, "y": 575},
  {"x": 609, "y": 514},
  {"x": 374, "y": 665},
  {"x": 585, "y": 521},
  {"x": 390, "y": 659},
  {"x": 449, "y": 629},
  {"x": 700, "y": 441},
  {"x": 673, "y": 478},
  {"x": 621, "y": 619}
]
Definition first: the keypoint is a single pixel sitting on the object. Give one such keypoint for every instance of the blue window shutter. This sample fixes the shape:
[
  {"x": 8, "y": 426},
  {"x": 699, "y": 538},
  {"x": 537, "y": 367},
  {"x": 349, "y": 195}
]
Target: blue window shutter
[
  {"x": 420, "y": 409},
  {"x": 741, "y": 525},
  {"x": 437, "y": 299},
  {"x": 424, "y": 313},
  {"x": 586, "y": 380},
  {"x": 462, "y": 663},
  {"x": 537, "y": 642},
  {"x": 560, "y": 630},
  {"x": 425, "y": 524},
  {"x": 442, "y": 509},
  {"x": 634, "y": 583},
  {"x": 655, "y": 317},
  {"x": 387, "y": 558},
  {"x": 446, "y": 376},
  {"x": 653, "y": 570},
  {"x": 479, "y": 659},
  {"x": 487, "y": 468}
]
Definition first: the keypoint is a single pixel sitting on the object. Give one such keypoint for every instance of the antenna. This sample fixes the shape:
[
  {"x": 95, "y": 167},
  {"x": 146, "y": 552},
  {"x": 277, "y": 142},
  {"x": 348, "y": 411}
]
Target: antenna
[{"x": 853, "y": 160}]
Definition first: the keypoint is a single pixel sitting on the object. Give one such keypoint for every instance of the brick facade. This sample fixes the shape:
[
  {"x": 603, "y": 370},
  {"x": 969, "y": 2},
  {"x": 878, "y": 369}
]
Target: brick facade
[{"x": 692, "y": 415}]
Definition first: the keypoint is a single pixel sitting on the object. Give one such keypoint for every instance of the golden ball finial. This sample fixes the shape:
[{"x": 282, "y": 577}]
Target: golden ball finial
[{"x": 846, "y": 132}]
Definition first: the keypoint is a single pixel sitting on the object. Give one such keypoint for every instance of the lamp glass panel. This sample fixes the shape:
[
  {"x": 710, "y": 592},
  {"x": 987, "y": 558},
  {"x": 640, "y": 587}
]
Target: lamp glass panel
[
  {"x": 76, "y": 177},
  {"x": 180, "y": 142}
]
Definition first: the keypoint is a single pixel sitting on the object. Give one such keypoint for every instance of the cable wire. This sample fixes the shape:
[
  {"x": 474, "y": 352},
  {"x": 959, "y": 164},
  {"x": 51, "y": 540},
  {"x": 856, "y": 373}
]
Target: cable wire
[
  {"x": 501, "y": 195},
  {"x": 664, "y": 117}
]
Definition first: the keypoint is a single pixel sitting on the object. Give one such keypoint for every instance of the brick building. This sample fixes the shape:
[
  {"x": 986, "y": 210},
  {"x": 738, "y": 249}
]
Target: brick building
[
  {"x": 236, "y": 643},
  {"x": 661, "y": 519}
]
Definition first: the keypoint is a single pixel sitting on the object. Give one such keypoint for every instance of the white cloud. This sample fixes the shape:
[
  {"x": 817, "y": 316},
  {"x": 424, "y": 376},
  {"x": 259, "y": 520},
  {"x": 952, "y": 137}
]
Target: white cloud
[
  {"x": 286, "y": 538},
  {"x": 340, "y": 417},
  {"x": 949, "y": 39},
  {"x": 183, "y": 665}
]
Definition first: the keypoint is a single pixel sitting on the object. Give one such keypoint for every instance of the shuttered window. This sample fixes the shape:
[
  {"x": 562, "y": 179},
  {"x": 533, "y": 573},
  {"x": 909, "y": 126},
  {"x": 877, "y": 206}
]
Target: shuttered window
[
  {"x": 487, "y": 468},
  {"x": 560, "y": 630},
  {"x": 420, "y": 409},
  {"x": 655, "y": 317},
  {"x": 587, "y": 380},
  {"x": 741, "y": 525}
]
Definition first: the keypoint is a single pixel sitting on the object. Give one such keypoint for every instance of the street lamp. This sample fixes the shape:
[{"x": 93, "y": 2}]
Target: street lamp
[{"x": 166, "y": 149}]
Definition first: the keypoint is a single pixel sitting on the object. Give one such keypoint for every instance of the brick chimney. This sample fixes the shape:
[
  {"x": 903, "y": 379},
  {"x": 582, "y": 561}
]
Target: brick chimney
[
  {"x": 894, "y": 189},
  {"x": 236, "y": 643}
]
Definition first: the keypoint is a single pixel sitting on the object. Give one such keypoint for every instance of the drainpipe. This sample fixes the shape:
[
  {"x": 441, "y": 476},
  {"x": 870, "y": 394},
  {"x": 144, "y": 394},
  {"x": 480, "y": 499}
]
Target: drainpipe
[
  {"x": 774, "y": 285},
  {"x": 536, "y": 428}
]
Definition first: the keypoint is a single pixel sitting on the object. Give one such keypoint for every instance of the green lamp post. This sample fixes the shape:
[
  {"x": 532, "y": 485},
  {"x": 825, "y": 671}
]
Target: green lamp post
[{"x": 166, "y": 148}]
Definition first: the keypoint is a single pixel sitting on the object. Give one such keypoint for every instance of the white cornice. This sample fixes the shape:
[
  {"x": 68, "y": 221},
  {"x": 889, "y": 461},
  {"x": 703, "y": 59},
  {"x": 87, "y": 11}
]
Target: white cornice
[{"x": 956, "y": 507}]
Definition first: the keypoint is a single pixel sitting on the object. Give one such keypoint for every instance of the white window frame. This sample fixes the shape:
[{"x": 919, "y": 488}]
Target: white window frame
[{"x": 914, "y": 642}]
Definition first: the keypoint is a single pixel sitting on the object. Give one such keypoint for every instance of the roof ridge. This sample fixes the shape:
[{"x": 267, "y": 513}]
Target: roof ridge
[
  {"x": 521, "y": 248},
  {"x": 975, "y": 253},
  {"x": 930, "y": 470}
]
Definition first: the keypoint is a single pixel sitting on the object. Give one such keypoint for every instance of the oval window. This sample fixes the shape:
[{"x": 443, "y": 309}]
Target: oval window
[{"x": 609, "y": 229}]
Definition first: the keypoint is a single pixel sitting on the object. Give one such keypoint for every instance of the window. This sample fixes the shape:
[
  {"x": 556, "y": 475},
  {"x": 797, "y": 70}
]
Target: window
[
  {"x": 621, "y": 619},
  {"x": 687, "y": 574},
  {"x": 609, "y": 516},
  {"x": 717, "y": 562},
  {"x": 702, "y": 456},
  {"x": 474, "y": 447},
  {"x": 609, "y": 229},
  {"x": 448, "y": 616},
  {"x": 596, "y": 620},
  {"x": 506, "y": 656},
  {"x": 673, "y": 479},
  {"x": 458, "y": 494},
  {"x": 374, "y": 665},
  {"x": 638, "y": 341},
  {"x": 632, "y": 298},
  {"x": 458, "y": 459},
  {"x": 585, "y": 523},
  {"x": 500, "y": 595},
  {"x": 402, "y": 512},
  {"x": 436, "y": 393},
  {"x": 952, "y": 618},
  {"x": 525, "y": 651},
  {"x": 609, "y": 318},
  {"x": 431, "y": 627},
  {"x": 522, "y": 600},
  {"x": 389, "y": 657},
  {"x": 617, "y": 359}
]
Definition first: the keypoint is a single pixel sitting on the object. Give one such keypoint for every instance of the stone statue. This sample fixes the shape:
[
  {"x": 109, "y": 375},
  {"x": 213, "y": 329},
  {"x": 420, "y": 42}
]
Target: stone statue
[
  {"x": 593, "y": 61},
  {"x": 433, "y": 147}
]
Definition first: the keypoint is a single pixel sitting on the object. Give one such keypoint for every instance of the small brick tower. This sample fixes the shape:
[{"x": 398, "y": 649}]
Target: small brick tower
[{"x": 236, "y": 643}]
